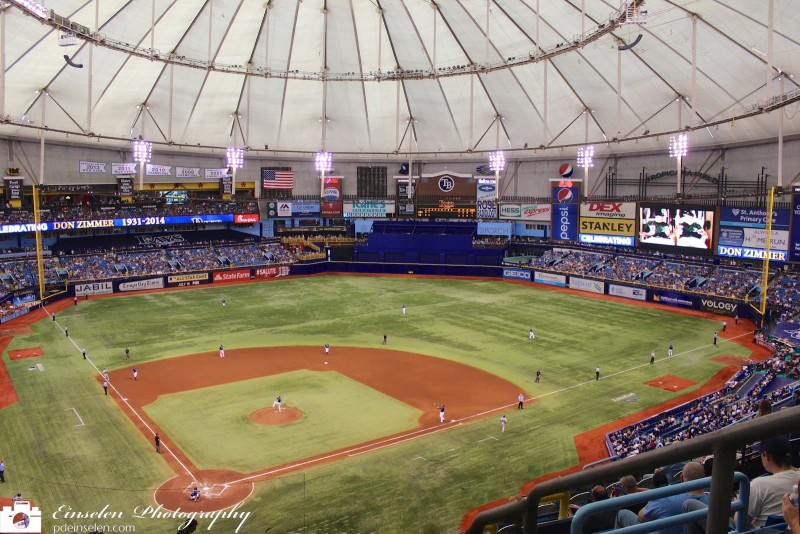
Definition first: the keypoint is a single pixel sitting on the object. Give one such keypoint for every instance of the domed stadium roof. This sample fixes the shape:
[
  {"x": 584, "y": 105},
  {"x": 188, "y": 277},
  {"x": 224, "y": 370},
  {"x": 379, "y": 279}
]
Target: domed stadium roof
[{"x": 349, "y": 75}]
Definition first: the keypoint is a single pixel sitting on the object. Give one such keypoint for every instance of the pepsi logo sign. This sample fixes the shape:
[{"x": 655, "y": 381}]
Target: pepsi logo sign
[
  {"x": 565, "y": 170},
  {"x": 446, "y": 184},
  {"x": 565, "y": 196}
]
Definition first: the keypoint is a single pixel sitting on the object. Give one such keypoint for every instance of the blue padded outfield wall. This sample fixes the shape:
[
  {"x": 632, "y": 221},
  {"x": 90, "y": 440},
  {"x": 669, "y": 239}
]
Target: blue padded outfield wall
[
  {"x": 671, "y": 298},
  {"x": 447, "y": 243}
]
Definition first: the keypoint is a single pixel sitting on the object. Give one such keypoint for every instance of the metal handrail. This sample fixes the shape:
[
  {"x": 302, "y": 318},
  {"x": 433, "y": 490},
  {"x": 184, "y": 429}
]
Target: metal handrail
[
  {"x": 723, "y": 444},
  {"x": 617, "y": 503}
]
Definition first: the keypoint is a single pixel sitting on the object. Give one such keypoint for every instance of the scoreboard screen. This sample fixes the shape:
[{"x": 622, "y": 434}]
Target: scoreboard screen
[{"x": 447, "y": 212}]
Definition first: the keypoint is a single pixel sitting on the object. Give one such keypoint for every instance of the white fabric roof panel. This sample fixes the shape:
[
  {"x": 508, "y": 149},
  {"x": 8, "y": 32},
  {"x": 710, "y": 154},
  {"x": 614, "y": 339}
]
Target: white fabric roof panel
[{"x": 354, "y": 39}]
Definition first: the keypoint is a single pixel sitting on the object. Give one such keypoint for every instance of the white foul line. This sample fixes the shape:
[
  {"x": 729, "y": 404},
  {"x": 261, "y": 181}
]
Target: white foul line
[
  {"x": 76, "y": 413},
  {"x": 123, "y": 399}
]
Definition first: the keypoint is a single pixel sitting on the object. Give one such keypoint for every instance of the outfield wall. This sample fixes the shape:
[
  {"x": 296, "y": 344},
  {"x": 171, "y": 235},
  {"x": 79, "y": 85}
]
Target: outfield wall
[{"x": 706, "y": 303}]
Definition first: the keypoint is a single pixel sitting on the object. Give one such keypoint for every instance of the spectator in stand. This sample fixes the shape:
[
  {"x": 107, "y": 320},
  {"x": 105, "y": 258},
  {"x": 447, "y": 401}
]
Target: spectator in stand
[
  {"x": 667, "y": 506},
  {"x": 766, "y": 493},
  {"x": 599, "y": 521}
]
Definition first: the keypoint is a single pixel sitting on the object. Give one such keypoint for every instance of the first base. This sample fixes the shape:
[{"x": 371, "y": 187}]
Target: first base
[{"x": 326, "y": 363}]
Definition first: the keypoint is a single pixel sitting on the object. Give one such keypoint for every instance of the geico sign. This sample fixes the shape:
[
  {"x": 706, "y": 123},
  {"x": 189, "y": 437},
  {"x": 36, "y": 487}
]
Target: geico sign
[
  {"x": 515, "y": 273},
  {"x": 718, "y": 305}
]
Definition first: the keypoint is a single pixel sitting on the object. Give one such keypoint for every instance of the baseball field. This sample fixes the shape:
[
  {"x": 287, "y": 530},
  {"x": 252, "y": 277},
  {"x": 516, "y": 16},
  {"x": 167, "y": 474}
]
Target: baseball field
[{"x": 358, "y": 446}]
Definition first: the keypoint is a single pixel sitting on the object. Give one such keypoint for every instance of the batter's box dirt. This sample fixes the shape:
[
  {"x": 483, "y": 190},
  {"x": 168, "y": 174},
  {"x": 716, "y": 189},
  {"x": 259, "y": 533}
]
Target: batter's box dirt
[
  {"x": 28, "y": 352},
  {"x": 671, "y": 383},
  {"x": 218, "y": 490}
]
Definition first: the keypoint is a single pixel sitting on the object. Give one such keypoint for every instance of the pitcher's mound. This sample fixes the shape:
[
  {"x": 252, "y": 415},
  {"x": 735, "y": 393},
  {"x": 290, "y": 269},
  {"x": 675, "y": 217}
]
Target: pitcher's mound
[
  {"x": 271, "y": 416},
  {"x": 218, "y": 490}
]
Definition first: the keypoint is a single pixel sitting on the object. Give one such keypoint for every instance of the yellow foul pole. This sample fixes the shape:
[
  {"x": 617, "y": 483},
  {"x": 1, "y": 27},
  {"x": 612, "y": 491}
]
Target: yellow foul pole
[{"x": 38, "y": 232}]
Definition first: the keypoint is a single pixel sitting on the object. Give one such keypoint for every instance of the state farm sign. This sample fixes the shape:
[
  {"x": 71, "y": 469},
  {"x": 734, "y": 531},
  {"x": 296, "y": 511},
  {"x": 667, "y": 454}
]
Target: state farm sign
[{"x": 232, "y": 276}]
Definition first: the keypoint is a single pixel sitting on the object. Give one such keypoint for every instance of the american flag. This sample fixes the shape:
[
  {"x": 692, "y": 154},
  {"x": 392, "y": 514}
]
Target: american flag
[{"x": 277, "y": 179}]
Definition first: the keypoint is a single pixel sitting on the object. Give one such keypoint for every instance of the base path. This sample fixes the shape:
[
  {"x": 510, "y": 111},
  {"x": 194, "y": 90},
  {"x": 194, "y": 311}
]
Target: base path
[{"x": 404, "y": 376}]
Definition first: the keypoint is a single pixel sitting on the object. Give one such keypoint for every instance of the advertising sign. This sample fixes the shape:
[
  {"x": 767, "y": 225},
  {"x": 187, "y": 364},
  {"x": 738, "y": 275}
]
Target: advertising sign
[
  {"x": 525, "y": 212},
  {"x": 305, "y": 208},
  {"x": 635, "y": 293},
  {"x": 272, "y": 272},
  {"x": 94, "y": 288},
  {"x": 231, "y": 276},
  {"x": 495, "y": 228},
  {"x": 284, "y": 209},
  {"x": 245, "y": 218},
  {"x": 517, "y": 274},
  {"x": 486, "y": 209},
  {"x": 182, "y": 280},
  {"x": 582, "y": 284},
  {"x": 370, "y": 209},
  {"x": 13, "y": 188},
  {"x": 487, "y": 189},
  {"x": 550, "y": 279},
  {"x": 719, "y": 306},
  {"x": 743, "y": 234},
  {"x": 565, "y": 222},
  {"x": 226, "y": 185},
  {"x": 794, "y": 250},
  {"x": 331, "y": 205},
  {"x": 141, "y": 285},
  {"x": 125, "y": 187},
  {"x": 672, "y": 299},
  {"x": 609, "y": 210},
  {"x": 608, "y": 223},
  {"x": 109, "y": 223}
]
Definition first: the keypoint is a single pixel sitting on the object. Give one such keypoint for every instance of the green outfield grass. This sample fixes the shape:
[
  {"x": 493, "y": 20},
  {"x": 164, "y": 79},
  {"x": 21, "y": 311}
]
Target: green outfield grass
[
  {"x": 423, "y": 485},
  {"x": 202, "y": 421}
]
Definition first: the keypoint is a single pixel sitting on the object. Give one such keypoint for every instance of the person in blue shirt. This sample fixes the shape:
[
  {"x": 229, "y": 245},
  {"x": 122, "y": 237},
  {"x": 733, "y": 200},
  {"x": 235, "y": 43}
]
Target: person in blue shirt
[{"x": 669, "y": 506}]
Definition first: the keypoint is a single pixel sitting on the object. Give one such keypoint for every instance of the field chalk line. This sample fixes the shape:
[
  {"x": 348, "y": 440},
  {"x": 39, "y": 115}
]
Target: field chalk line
[
  {"x": 76, "y": 413},
  {"x": 363, "y": 449},
  {"x": 123, "y": 399}
]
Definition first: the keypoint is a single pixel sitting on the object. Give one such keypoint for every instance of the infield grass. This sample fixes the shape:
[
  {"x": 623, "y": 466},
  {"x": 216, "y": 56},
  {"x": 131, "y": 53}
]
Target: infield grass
[
  {"x": 212, "y": 425},
  {"x": 422, "y": 485}
]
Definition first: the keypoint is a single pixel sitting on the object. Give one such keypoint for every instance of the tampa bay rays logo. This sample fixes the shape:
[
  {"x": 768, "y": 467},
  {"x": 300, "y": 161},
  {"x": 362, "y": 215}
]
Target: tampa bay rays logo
[
  {"x": 794, "y": 334},
  {"x": 446, "y": 183}
]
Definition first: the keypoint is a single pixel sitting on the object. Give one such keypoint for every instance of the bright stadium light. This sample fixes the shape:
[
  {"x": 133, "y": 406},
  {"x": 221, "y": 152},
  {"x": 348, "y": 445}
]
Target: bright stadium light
[
  {"x": 585, "y": 157},
  {"x": 678, "y": 148},
  {"x": 323, "y": 162},
  {"x": 142, "y": 151},
  {"x": 497, "y": 161},
  {"x": 235, "y": 157}
]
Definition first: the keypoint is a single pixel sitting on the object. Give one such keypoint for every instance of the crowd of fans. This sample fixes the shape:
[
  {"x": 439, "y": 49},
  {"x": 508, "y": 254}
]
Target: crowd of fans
[
  {"x": 673, "y": 273},
  {"x": 19, "y": 273},
  {"x": 738, "y": 400}
]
